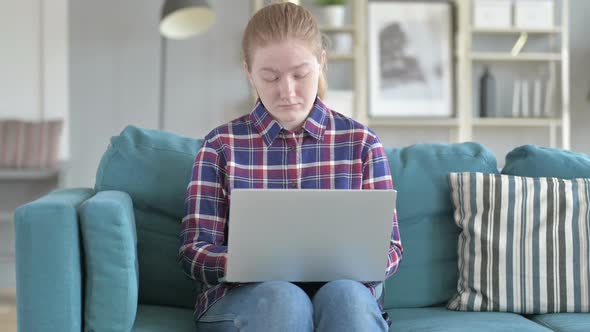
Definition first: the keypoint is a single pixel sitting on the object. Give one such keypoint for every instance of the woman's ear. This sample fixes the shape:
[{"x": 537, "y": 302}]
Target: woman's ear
[
  {"x": 323, "y": 61},
  {"x": 247, "y": 71}
]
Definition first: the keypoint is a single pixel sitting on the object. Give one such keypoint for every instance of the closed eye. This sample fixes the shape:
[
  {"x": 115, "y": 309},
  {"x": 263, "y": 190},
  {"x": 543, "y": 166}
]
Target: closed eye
[
  {"x": 270, "y": 79},
  {"x": 300, "y": 76}
]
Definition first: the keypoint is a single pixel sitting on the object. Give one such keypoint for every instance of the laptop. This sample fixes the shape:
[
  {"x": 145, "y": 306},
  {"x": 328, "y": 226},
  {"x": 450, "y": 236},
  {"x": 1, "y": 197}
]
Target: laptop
[{"x": 309, "y": 235}]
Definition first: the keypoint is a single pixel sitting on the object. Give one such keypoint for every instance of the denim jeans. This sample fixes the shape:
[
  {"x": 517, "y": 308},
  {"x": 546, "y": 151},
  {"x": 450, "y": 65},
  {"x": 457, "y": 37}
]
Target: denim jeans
[{"x": 341, "y": 305}]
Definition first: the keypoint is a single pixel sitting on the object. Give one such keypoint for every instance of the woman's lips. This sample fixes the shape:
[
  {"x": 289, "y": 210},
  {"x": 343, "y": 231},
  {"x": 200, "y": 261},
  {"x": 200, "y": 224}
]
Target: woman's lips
[{"x": 288, "y": 106}]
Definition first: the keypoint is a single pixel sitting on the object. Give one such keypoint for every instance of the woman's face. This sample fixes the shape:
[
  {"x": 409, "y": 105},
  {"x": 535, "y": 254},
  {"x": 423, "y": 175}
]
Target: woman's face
[{"x": 285, "y": 76}]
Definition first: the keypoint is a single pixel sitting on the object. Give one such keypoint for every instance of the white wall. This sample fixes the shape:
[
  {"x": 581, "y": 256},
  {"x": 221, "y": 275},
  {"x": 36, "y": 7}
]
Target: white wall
[
  {"x": 114, "y": 59},
  {"x": 19, "y": 59},
  {"x": 206, "y": 85},
  {"x": 34, "y": 62},
  {"x": 115, "y": 71},
  {"x": 580, "y": 75},
  {"x": 56, "y": 68},
  {"x": 114, "y": 74}
]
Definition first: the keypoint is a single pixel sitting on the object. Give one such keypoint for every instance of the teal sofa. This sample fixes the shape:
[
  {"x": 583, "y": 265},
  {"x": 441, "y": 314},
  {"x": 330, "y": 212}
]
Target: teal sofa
[{"x": 105, "y": 258}]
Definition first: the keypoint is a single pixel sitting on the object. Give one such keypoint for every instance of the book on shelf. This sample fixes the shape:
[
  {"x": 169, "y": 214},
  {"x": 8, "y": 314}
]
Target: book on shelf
[
  {"x": 550, "y": 90},
  {"x": 537, "y": 98},
  {"x": 524, "y": 99},
  {"x": 516, "y": 98},
  {"x": 533, "y": 98}
]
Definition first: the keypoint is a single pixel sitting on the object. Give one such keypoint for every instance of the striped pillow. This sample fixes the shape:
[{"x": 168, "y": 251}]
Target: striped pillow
[{"x": 524, "y": 245}]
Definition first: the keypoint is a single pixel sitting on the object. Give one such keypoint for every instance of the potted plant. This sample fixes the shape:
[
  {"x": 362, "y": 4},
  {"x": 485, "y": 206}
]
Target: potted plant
[{"x": 332, "y": 11}]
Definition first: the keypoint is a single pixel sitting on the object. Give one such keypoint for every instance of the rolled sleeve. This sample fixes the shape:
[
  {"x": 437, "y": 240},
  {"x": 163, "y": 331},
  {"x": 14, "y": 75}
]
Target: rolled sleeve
[{"x": 202, "y": 251}]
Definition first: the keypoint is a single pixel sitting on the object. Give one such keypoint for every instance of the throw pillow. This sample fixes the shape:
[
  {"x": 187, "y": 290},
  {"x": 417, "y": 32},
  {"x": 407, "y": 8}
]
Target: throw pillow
[{"x": 524, "y": 245}]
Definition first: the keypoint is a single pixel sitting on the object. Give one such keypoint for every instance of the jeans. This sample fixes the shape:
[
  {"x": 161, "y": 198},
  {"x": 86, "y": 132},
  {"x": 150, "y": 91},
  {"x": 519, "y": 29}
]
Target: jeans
[{"x": 341, "y": 305}]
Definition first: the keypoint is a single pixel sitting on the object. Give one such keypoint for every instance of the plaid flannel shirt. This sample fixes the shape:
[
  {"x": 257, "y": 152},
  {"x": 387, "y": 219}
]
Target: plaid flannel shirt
[{"x": 330, "y": 151}]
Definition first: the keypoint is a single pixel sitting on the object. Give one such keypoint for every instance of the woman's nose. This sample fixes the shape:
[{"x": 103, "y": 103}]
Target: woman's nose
[{"x": 287, "y": 88}]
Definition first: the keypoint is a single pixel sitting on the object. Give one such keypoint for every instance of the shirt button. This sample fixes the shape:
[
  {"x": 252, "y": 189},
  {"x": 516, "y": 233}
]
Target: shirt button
[
  {"x": 293, "y": 148},
  {"x": 293, "y": 185}
]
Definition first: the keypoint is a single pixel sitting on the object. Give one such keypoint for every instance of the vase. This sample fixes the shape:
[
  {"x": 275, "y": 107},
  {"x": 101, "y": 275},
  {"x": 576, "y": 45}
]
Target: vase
[
  {"x": 333, "y": 15},
  {"x": 487, "y": 94}
]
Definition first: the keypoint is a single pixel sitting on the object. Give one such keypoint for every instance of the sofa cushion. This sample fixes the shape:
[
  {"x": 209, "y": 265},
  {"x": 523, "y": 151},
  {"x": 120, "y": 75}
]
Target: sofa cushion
[
  {"x": 536, "y": 161},
  {"x": 441, "y": 319},
  {"x": 162, "y": 281},
  {"x": 564, "y": 322},
  {"x": 427, "y": 274},
  {"x": 524, "y": 244},
  {"x": 163, "y": 319},
  {"x": 154, "y": 168},
  {"x": 110, "y": 256}
]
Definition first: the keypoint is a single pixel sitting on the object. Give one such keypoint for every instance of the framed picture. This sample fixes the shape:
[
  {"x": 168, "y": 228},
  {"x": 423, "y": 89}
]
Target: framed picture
[{"x": 410, "y": 59}]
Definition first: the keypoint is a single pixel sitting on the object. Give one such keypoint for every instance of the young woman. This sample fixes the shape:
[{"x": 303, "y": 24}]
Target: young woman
[{"x": 291, "y": 139}]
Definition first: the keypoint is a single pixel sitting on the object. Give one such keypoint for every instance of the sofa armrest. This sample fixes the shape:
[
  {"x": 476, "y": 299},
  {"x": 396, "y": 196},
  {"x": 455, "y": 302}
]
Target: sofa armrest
[
  {"x": 111, "y": 288},
  {"x": 48, "y": 262}
]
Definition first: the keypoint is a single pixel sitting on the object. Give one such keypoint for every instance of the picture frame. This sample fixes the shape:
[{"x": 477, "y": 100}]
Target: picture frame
[{"x": 410, "y": 59}]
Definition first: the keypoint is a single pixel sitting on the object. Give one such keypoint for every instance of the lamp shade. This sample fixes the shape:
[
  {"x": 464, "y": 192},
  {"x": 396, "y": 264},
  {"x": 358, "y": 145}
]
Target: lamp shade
[{"x": 185, "y": 18}]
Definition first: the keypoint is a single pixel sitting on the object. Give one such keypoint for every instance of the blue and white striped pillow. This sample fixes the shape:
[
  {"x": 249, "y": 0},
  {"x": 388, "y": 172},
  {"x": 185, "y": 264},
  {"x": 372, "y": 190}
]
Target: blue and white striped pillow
[{"x": 524, "y": 245}]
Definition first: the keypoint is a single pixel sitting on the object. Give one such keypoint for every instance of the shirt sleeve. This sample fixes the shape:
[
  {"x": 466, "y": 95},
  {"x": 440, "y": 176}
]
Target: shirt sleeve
[
  {"x": 377, "y": 175},
  {"x": 202, "y": 252}
]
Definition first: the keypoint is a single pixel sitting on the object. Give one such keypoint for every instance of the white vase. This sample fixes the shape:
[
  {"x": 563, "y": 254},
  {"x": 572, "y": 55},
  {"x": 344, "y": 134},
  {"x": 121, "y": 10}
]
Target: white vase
[
  {"x": 333, "y": 15},
  {"x": 341, "y": 42}
]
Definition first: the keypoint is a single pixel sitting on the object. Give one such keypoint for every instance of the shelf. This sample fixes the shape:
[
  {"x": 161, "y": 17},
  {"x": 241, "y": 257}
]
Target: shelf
[
  {"x": 413, "y": 122},
  {"x": 496, "y": 56},
  {"x": 27, "y": 174},
  {"x": 516, "y": 122},
  {"x": 555, "y": 30},
  {"x": 341, "y": 56},
  {"x": 331, "y": 29}
]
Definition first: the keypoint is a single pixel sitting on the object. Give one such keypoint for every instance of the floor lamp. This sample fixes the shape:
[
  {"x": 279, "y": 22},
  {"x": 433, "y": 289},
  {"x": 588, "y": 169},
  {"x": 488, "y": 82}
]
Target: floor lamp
[{"x": 180, "y": 19}]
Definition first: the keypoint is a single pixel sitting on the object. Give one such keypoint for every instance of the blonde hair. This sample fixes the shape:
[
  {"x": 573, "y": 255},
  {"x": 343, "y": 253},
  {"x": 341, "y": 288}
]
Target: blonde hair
[{"x": 281, "y": 21}]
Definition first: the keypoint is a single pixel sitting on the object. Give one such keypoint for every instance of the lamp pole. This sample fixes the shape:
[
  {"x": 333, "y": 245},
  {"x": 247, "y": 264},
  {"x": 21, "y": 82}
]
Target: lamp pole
[
  {"x": 162, "y": 83},
  {"x": 180, "y": 19}
]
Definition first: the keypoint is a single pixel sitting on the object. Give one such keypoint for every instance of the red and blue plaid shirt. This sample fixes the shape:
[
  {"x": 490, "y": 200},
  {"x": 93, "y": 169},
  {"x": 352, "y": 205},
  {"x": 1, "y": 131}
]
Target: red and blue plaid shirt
[{"x": 330, "y": 151}]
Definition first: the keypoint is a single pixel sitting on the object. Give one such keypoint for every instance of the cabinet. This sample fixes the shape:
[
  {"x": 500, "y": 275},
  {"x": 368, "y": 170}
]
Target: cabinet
[
  {"x": 474, "y": 48},
  {"x": 537, "y": 56}
]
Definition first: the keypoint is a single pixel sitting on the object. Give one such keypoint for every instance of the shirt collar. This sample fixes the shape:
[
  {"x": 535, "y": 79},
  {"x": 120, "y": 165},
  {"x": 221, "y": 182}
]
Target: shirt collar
[{"x": 269, "y": 128}]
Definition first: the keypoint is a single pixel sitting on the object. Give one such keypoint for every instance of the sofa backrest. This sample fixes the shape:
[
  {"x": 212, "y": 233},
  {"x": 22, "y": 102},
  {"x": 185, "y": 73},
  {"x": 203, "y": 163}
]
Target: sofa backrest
[
  {"x": 154, "y": 168},
  {"x": 537, "y": 161},
  {"x": 427, "y": 275}
]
